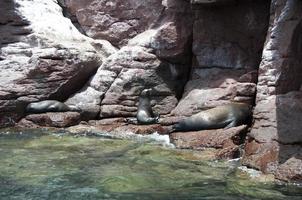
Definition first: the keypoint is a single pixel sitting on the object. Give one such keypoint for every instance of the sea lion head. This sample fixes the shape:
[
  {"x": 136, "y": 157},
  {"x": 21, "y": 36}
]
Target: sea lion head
[
  {"x": 146, "y": 92},
  {"x": 74, "y": 108}
]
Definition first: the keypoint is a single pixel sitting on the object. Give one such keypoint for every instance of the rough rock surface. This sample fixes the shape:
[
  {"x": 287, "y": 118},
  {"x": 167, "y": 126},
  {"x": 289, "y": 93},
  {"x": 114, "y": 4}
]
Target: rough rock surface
[
  {"x": 42, "y": 56},
  {"x": 216, "y": 45},
  {"x": 226, "y": 140},
  {"x": 59, "y": 120},
  {"x": 118, "y": 21},
  {"x": 157, "y": 58},
  {"x": 274, "y": 144},
  {"x": 212, "y": 2},
  {"x": 226, "y": 55},
  {"x": 117, "y": 126}
]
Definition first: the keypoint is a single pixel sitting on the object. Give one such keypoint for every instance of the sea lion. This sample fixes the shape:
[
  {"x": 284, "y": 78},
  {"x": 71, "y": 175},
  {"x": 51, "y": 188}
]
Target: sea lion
[
  {"x": 50, "y": 106},
  {"x": 145, "y": 114},
  {"x": 226, "y": 116}
]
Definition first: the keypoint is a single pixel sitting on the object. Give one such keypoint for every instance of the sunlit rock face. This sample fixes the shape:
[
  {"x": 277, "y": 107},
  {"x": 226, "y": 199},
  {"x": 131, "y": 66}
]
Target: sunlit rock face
[
  {"x": 159, "y": 58},
  {"x": 42, "y": 55},
  {"x": 274, "y": 144},
  {"x": 116, "y": 21},
  {"x": 227, "y": 46}
]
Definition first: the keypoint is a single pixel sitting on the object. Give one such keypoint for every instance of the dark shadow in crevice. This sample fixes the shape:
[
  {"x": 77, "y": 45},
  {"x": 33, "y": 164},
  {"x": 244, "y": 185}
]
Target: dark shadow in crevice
[{"x": 69, "y": 15}]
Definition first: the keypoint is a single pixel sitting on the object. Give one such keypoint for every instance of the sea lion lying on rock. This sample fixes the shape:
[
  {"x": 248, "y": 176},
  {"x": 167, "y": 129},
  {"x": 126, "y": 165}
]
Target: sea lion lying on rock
[
  {"x": 145, "y": 114},
  {"x": 50, "y": 106},
  {"x": 226, "y": 116}
]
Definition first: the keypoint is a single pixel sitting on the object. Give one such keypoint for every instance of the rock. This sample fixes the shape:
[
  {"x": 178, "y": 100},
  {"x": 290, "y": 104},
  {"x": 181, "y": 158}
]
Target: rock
[
  {"x": 144, "y": 129},
  {"x": 42, "y": 56},
  {"x": 117, "y": 126},
  {"x": 291, "y": 170},
  {"x": 209, "y": 88},
  {"x": 226, "y": 55},
  {"x": 116, "y": 21},
  {"x": 212, "y": 2},
  {"x": 24, "y": 123},
  {"x": 59, "y": 120},
  {"x": 284, "y": 161},
  {"x": 275, "y": 137},
  {"x": 262, "y": 156},
  {"x": 226, "y": 139},
  {"x": 108, "y": 121},
  {"x": 232, "y": 42},
  {"x": 224, "y": 60},
  {"x": 157, "y": 58}
]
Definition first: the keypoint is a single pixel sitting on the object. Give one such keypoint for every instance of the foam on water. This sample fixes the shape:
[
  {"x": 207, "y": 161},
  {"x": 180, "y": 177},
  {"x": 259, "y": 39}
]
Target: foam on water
[{"x": 156, "y": 138}]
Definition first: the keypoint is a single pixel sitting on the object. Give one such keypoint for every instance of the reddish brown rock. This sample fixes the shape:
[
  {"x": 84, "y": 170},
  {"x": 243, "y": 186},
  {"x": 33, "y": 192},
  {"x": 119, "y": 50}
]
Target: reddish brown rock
[
  {"x": 144, "y": 129},
  {"x": 212, "y": 2},
  {"x": 59, "y": 120},
  {"x": 262, "y": 156},
  {"x": 276, "y": 134},
  {"x": 226, "y": 54},
  {"x": 118, "y": 126},
  {"x": 24, "y": 123},
  {"x": 149, "y": 61},
  {"x": 226, "y": 139},
  {"x": 115, "y": 21},
  {"x": 291, "y": 170}
]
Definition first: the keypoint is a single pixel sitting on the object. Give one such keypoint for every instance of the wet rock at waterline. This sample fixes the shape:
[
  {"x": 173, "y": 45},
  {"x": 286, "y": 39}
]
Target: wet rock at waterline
[
  {"x": 226, "y": 141},
  {"x": 54, "y": 119},
  {"x": 116, "y": 126}
]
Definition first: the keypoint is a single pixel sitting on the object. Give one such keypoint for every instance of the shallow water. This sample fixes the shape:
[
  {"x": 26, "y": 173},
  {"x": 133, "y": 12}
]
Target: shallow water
[{"x": 43, "y": 165}]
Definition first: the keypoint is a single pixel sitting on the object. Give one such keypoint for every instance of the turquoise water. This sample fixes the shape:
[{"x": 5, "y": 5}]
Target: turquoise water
[{"x": 37, "y": 164}]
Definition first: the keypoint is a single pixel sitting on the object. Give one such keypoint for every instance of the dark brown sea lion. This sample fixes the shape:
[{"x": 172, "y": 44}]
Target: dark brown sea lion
[
  {"x": 145, "y": 114},
  {"x": 50, "y": 106},
  {"x": 226, "y": 116}
]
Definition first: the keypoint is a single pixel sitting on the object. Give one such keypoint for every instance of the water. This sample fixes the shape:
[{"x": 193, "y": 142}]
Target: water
[{"x": 39, "y": 165}]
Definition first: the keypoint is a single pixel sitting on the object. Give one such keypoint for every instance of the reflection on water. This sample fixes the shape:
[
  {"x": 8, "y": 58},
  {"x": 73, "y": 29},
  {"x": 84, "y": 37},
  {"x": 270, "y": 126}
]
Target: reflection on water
[{"x": 42, "y": 165}]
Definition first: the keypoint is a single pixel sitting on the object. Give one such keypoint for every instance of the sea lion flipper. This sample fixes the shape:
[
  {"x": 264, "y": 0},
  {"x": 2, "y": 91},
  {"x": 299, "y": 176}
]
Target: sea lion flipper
[
  {"x": 231, "y": 124},
  {"x": 149, "y": 120},
  {"x": 131, "y": 121}
]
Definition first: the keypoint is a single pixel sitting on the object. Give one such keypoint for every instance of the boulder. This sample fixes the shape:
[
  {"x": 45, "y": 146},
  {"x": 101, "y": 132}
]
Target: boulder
[
  {"x": 226, "y": 140},
  {"x": 116, "y": 21},
  {"x": 51, "y": 119},
  {"x": 42, "y": 56}
]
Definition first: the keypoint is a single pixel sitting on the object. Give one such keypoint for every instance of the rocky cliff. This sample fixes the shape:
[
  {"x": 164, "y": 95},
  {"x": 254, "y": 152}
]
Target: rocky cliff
[{"x": 100, "y": 54}]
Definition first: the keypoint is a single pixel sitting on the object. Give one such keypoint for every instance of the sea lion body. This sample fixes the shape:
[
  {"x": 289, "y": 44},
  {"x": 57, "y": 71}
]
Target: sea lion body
[
  {"x": 225, "y": 116},
  {"x": 145, "y": 114},
  {"x": 50, "y": 106}
]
